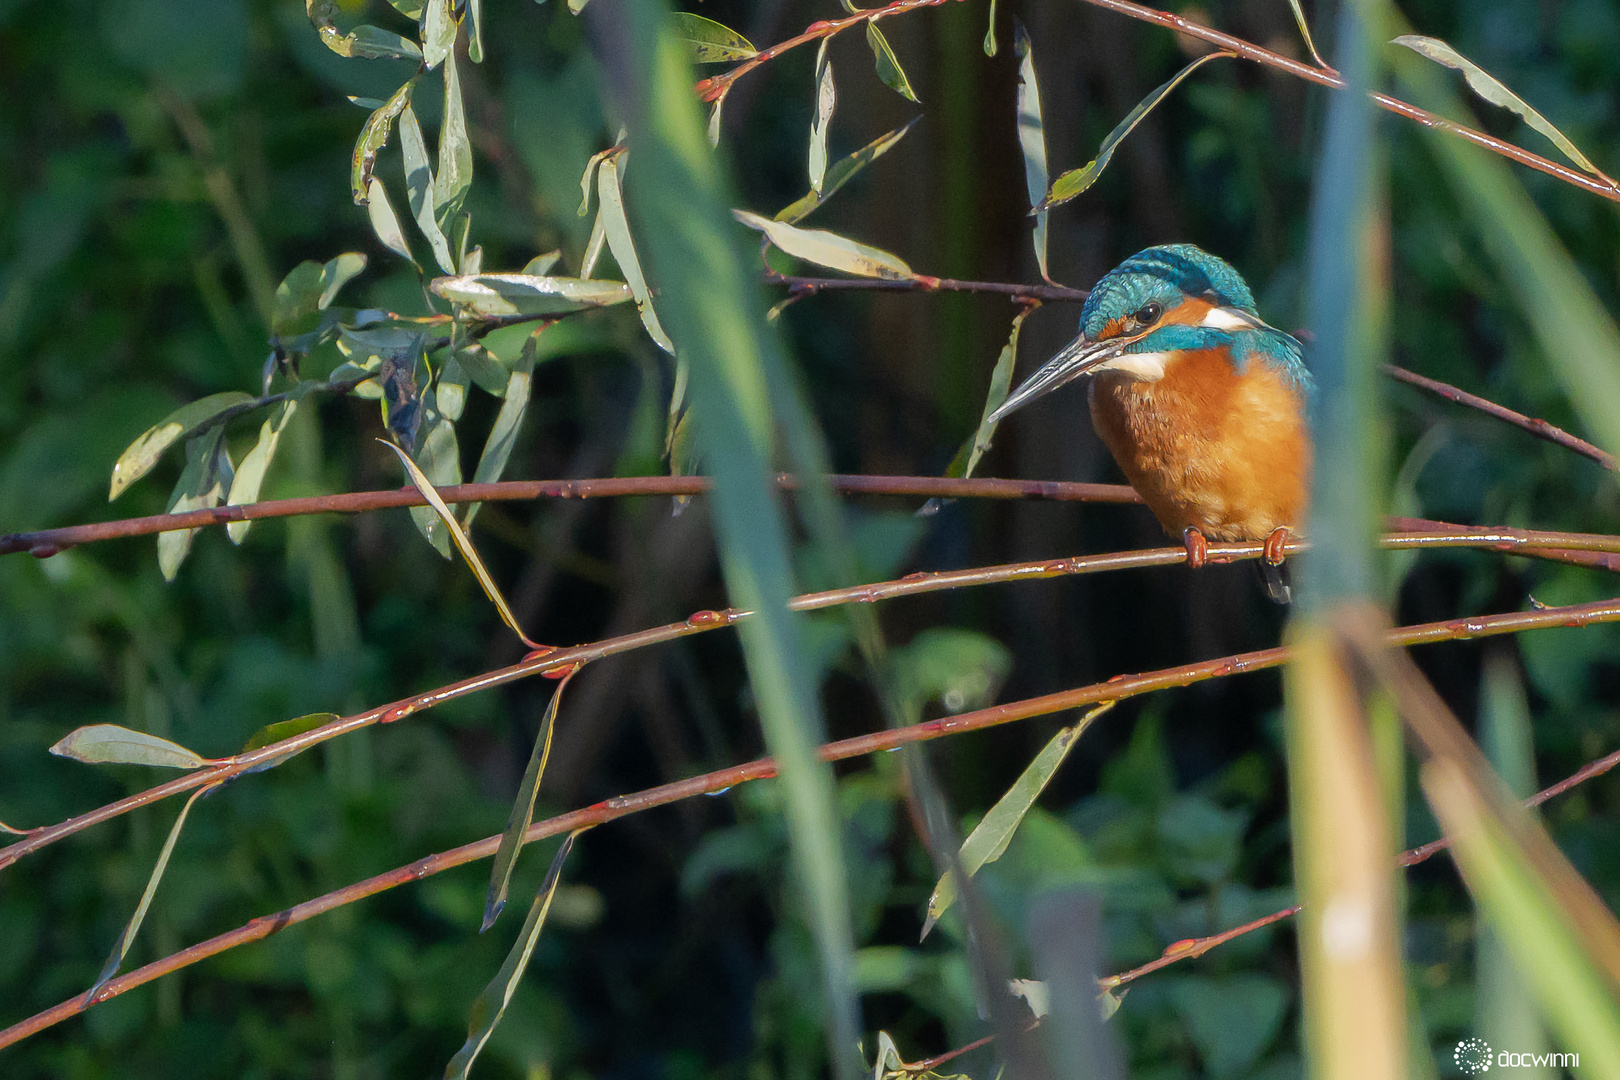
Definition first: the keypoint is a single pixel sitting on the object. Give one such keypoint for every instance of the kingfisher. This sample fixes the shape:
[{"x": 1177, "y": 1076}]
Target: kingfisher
[{"x": 1204, "y": 405}]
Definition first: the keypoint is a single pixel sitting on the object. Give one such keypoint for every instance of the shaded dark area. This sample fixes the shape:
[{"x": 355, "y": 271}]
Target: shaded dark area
[{"x": 675, "y": 949}]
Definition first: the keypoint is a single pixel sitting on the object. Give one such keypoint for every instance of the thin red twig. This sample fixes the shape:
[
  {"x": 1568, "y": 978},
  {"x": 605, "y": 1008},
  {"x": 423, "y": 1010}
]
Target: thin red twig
[
  {"x": 1115, "y": 689},
  {"x": 1327, "y": 77},
  {"x": 809, "y": 286},
  {"x": 1519, "y": 542},
  {"x": 1539, "y": 428}
]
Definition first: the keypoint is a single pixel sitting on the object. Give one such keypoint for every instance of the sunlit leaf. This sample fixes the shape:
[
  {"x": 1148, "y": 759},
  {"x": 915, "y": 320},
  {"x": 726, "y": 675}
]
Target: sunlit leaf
[
  {"x": 623, "y": 248},
  {"x": 485, "y": 368},
  {"x": 491, "y": 1004},
  {"x": 991, "y": 45},
  {"x": 419, "y": 187},
  {"x": 139, "y": 457},
  {"x": 438, "y": 453},
  {"x": 593, "y": 249},
  {"x": 1486, "y": 86},
  {"x": 826, "y": 99},
  {"x": 411, "y": 9},
  {"x": 468, "y": 552},
  {"x": 373, "y": 137},
  {"x": 499, "y": 295},
  {"x": 206, "y": 479},
  {"x": 508, "y": 422},
  {"x": 1075, "y": 181},
  {"x": 888, "y": 65},
  {"x": 450, "y": 390},
  {"x": 455, "y": 173},
  {"x": 475, "y": 36},
  {"x": 438, "y": 32},
  {"x": 250, "y": 473},
  {"x": 587, "y": 180},
  {"x": 829, "y": 249},
  {"x": 127, "y": 938},
  {"x": 541, "y": 265},
  {"x": 286, "y": 729},
  {"x": 385, "y": 223},
  {"x": 714, "y": 120},
  {"x": 708, "y": 42},
  {"x": 989, "y": 840},
  {"x": 109, "y": 744},
  {"x": 967, "y": 459},
  {"x": 1032, "y": 138},
  {"x": 517, "y": 823},
  {"x": 577, "y": 6},
  {"x": 840, "y": 172},
  {"x": 310, "y": 288},
  {"x": 1305, "y": 32},
  {"x": 363, "y": 42}
]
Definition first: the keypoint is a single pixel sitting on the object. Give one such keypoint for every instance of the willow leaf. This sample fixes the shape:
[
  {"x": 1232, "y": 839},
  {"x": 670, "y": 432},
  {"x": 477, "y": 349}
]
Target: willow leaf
[
  {"x": 517, "y": 823},
  {"x": 829, "y": 249},
  {"x": 110, "y": 744}
]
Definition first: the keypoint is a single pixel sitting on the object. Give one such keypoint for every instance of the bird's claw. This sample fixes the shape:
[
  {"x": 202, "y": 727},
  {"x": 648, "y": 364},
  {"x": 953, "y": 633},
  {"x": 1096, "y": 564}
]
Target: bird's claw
[
  {"x": 1275, "y": 543},
  {"x": 1197, "y": 547}
]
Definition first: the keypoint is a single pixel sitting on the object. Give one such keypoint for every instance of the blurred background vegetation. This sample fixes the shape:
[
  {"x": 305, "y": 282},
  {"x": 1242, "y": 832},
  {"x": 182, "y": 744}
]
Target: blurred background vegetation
[{"x": 167, "y": 163}]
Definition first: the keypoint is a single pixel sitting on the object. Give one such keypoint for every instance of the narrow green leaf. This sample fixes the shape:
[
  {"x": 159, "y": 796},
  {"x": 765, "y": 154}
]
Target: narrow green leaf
[
  {"x": 373, "y": 137},
  {"x": 708, "y": 42},
  {"x": 1032, "y": 138},
  {"x": 714, "y": 120},
  {"x": 991, "y": 46},
  {"x": 623, "y": 248},
  {"x": 109, "y": 744},
  {"x": 1486, "y": 86},
  {"x": 286, "y": 729},
  {"x": 438, "y": 453},
  {"x": 450, "y": 391},
  {"x": 491, "y": 1004},
  {"x": 455, "y": 152},
  {"x": 309, "y": 289},
  {"x": 840, "y": 173},
  {"x": 411, "y": 9},
  {"x": 587, "y": 179},
  {"x": 468, "y": 552},
  {"x": 1075, "y": 181},
  {"x": 475, "y": 37},
  {"x": 593, "y": 249},
  {"x": 485, "y": 368},
  {"x": 419, "y": 187},
  {"x": 127, "y": 938},
  {"x": 575, "y": 6},
  {"x": 438, "y": 33},
  {"x": 888, "y": 65},
  {"x": 517, "y": 823},
  {"x": 139, "y": 457},
  {"x": 829, "y": 249},
  {"x": 500, "y": 295},
  {"x": 989, "y": 840},
  {"x": 1305, "y": 32},
  {"x": 508, "y": 422},
  {"x": 385, "y": 223},
  {"x": 541, "y": 265},
  {"x": 250, "y": 474},
  {"x": 967, "y": 459},
  {"x": 367, "y": 43},
  {"x": 826, "y": 98},
  {"x": 337, "y": 273},
  {"x": 206, "y": 479}
]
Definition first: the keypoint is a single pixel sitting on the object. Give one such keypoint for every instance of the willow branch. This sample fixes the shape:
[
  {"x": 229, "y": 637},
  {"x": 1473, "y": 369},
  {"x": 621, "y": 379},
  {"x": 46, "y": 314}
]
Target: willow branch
[
  {"x": 1115, "y": 689},
  {"x": 809, "y": 286},
  {"x": 1539, "y": 428},
  {"x": 540, "y": 662},
  {"x": 1328, "y": 77}
]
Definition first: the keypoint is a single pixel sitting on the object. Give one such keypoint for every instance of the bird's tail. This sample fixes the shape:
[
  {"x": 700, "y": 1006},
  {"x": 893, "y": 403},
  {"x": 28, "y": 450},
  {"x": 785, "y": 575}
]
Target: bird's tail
[{"x": 1275, "y": 578}]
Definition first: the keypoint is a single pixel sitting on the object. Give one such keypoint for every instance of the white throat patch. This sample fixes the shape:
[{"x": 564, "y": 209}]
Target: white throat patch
[
  {"x": 1143, "y": 366},
  {"x": 1230, "y": 319}
]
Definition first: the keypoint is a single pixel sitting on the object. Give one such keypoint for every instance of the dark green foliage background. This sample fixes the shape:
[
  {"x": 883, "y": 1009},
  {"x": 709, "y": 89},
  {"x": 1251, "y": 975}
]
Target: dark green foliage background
[{"x": 673, "y": 951}]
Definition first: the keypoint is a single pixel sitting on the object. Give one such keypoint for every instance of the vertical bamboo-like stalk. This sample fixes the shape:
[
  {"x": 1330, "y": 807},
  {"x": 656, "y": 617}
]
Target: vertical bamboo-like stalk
[
  {"x": 677, "y": 199},
  {"x": 1344, "y": 843}
]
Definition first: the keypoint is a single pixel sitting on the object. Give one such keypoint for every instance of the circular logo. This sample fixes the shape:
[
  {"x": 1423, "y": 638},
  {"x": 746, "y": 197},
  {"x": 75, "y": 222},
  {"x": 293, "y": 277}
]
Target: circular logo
[{"x": 1473, "y": 1056}]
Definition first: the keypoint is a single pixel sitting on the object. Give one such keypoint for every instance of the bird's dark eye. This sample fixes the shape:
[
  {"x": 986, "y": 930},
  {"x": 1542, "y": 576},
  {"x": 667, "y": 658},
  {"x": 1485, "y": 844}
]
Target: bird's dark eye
[{"x": 1147, "y": 314}]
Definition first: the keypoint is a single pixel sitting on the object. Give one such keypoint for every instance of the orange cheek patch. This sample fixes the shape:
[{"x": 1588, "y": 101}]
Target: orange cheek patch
[{"x": 1190, "y": 312}]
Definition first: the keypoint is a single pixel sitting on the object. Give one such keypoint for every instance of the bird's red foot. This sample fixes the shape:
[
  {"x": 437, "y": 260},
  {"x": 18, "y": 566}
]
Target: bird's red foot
[
  {"x": 1197, "y": 547},
  {"x": 1275, "y": 543}
]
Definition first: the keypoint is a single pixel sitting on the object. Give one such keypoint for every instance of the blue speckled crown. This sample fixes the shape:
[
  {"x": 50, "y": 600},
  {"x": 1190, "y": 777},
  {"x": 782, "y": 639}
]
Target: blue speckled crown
[{"x": 1164, "y": 274}]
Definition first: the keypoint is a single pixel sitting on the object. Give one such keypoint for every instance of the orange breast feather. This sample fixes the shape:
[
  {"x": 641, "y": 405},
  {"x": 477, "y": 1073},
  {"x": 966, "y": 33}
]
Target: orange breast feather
[{"x": 1208, "y": 447}]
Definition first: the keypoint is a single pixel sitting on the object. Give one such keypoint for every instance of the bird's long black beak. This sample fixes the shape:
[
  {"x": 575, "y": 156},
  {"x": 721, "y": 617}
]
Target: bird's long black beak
[{"x": 1072, "y": 361}]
